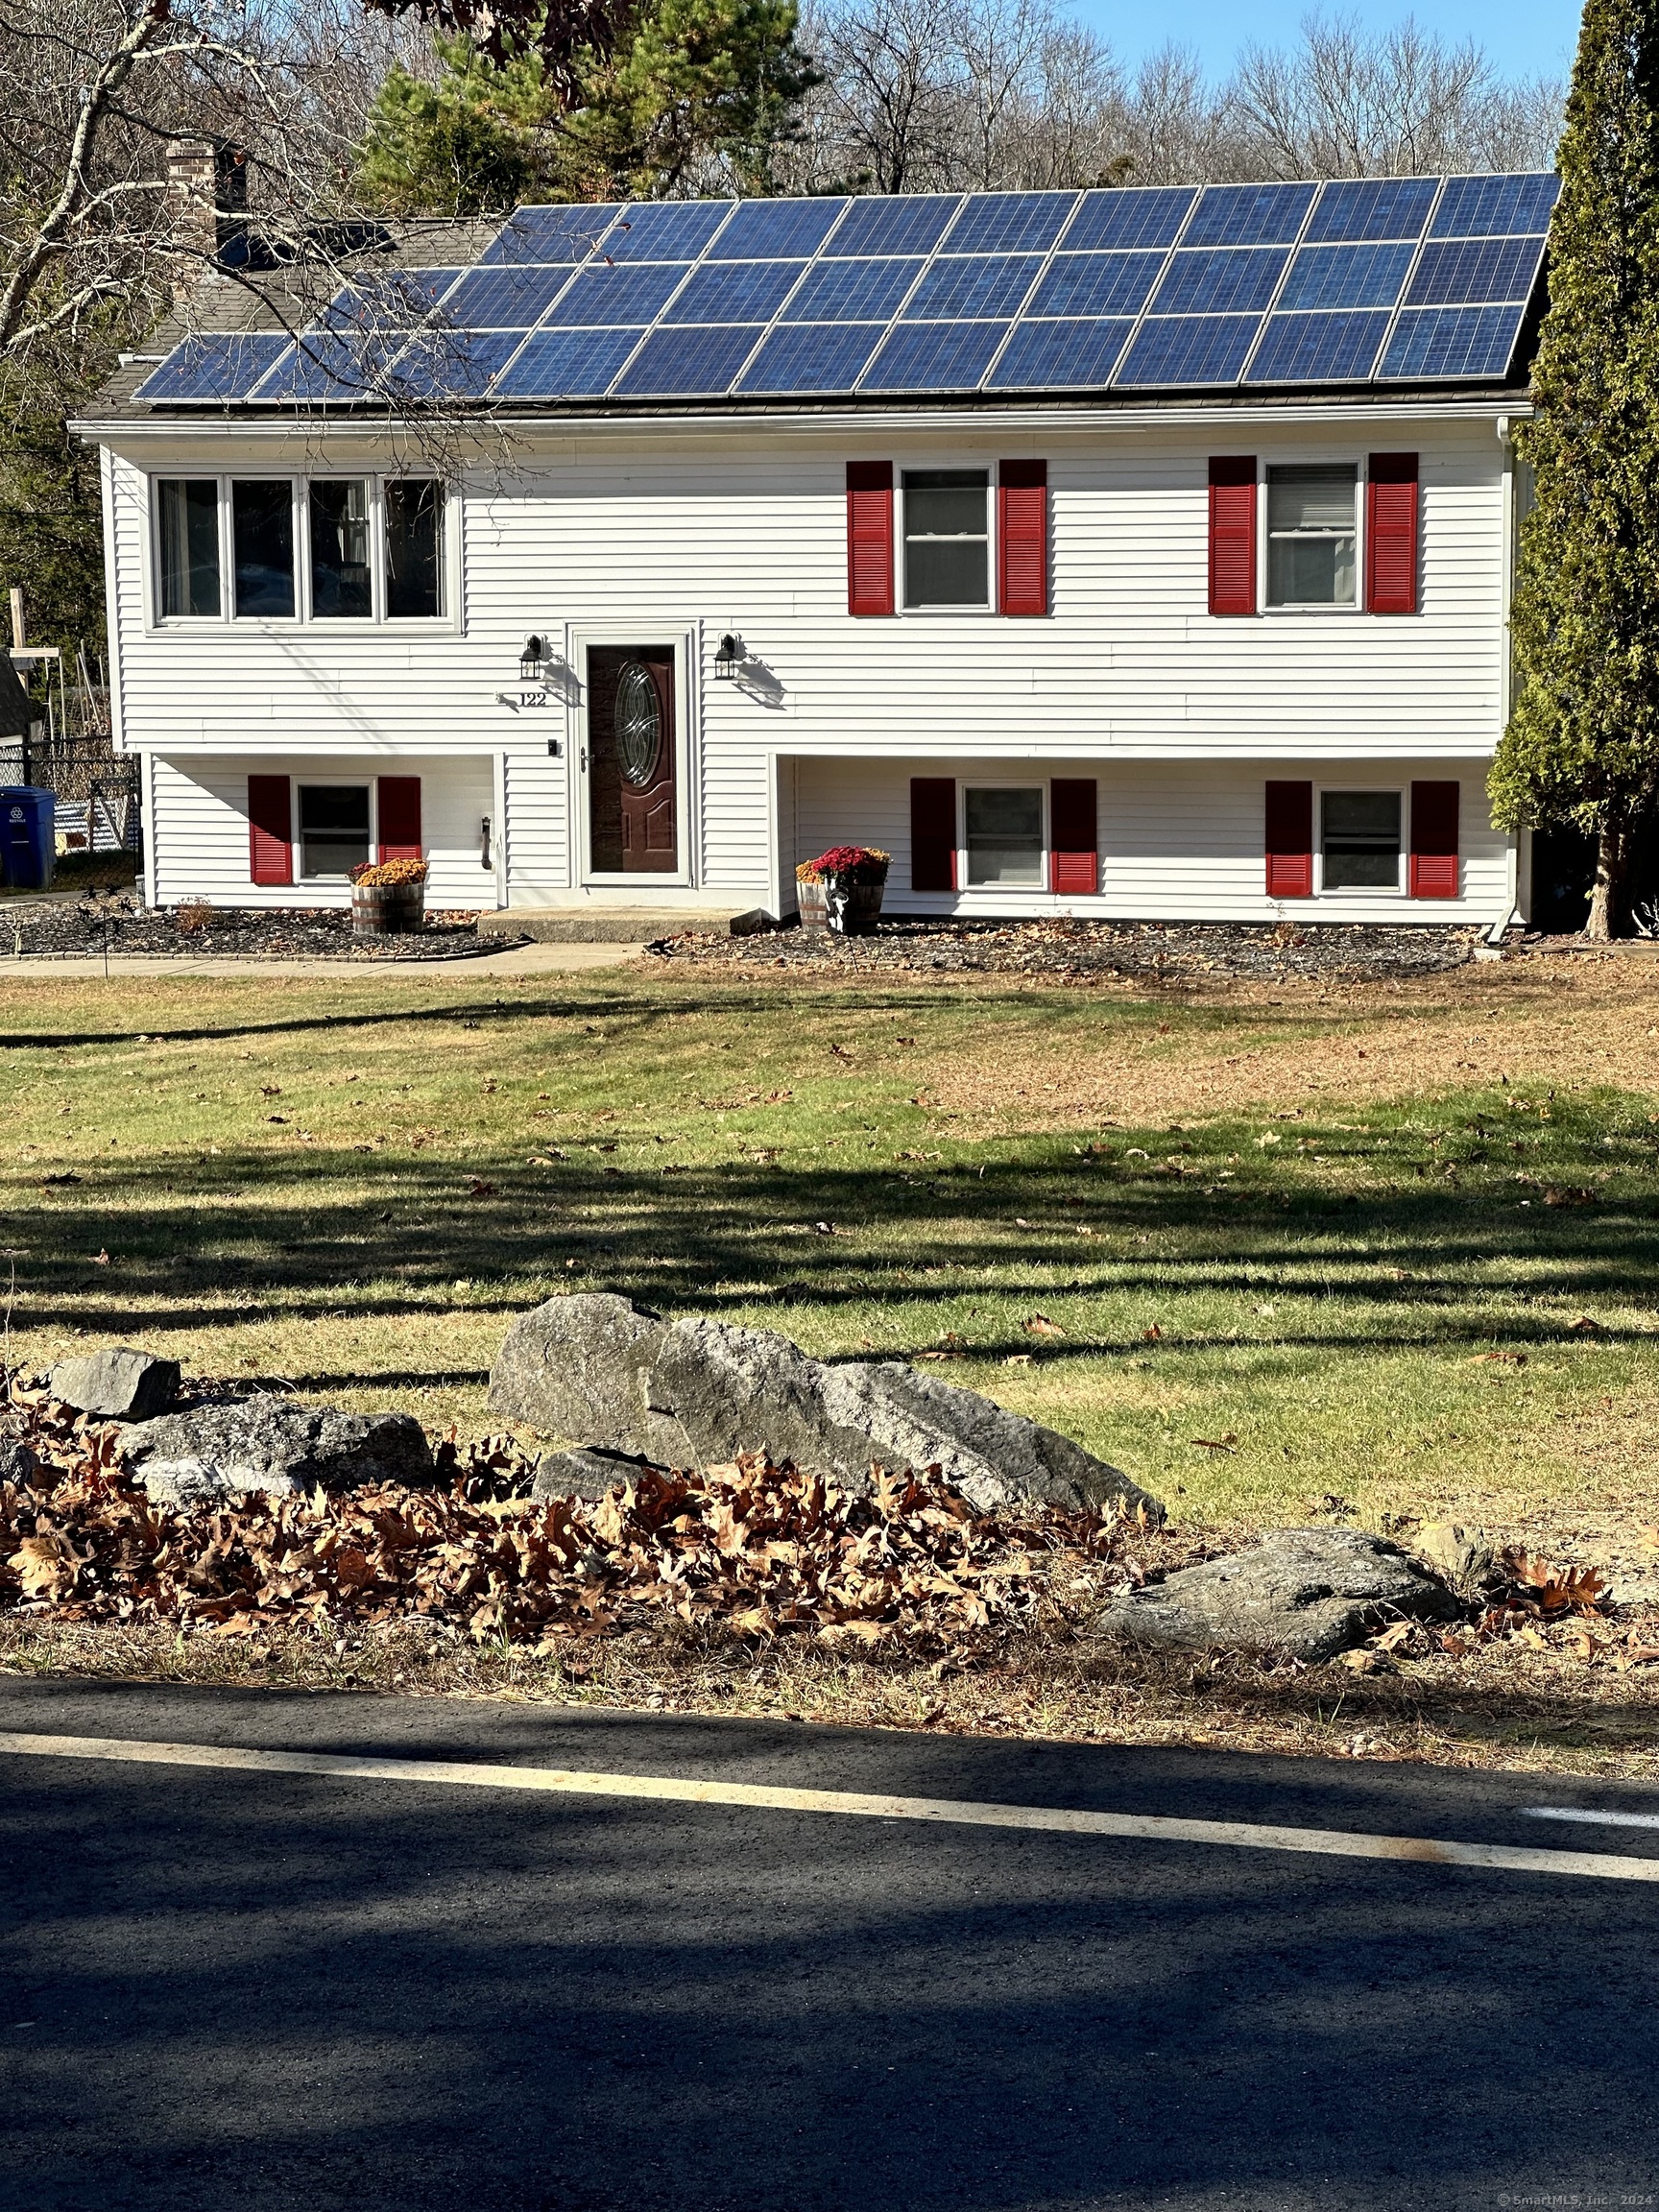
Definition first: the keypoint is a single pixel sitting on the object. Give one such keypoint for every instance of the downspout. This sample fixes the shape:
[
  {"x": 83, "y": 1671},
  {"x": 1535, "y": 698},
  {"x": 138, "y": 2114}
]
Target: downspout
[{"x": 1507, "y": 671}]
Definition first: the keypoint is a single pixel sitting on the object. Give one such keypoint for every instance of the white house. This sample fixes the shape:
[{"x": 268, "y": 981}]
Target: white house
[{"x": 1132, "y": 553}]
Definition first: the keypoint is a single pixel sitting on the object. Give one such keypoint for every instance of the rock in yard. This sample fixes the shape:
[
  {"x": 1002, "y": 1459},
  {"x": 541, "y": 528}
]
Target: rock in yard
[
  {"x": 1462, "y": 1555},
  {"x": 695, "y": 1394},
  {"x": 584, "y": 1473},
  {"x": 275, "y": 1445},
  {"x": 117, "y": 1383},
  {"x": 1310, "y": 1591}
]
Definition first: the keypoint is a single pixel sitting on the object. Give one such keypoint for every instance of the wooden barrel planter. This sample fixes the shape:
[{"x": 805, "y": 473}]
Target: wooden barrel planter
[
  {"x": 388, "y": 909},
  {"x": 841, "y": 890},
  {"x": 854, "y": 906}
]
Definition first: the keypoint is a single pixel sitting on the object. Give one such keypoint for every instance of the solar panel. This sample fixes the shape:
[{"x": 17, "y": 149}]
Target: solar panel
[
  {"x": 1318, "y": 349},
  {"x": 1249, "y": 215},
  {"x": 694, "y": 361},
  {"x": 1269, "y": 284},
  {"x": 1494, "y": 206},
  {"x": 217, "y": 365},
  {"x": 1451, "y": 342},
  {"x": 666, "y": 230},
  {"x": 549, "y": 234},
  {"x": 812, "y": 357},
  {"x": 511, "y": 299},
  {"x": 977, "y": 285},
  {"x": 1362, "y": 208},
  {"x": 390, "y": 297},
  {"x": 1222, "y": 279},
  {"x": 1077, "y": 355},
  {"x": 566, "y": 364},
  {"x": 1187, "y": 349},
  {"x": 1149, "y": 217},
  {"x": 898, "y": 225},
  {"x": 933, "y": 357},
  {"x": 853, "y": 291},
  {"x": 603, "y": 295},
  {"x": 1346, "y": 277},
  {"x": 734, "y": 292},
  {"x": 1096, "y": 284},
  {"x": 776, "y": 230},
  {"x": 1009, "y": 222},
  {"x": 454, "y": 364},
  {"x": 1475, "y": 272}
]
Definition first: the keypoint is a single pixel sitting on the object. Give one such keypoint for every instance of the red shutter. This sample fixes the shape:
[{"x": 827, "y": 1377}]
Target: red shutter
[
  {"x": 1289, "y": 840},
  {"x": 269, "y": 830},
  {"x": 1391, "y": 533},
  {"x": 933, "y": 833},
  {"x": 1233, "y": 535},
  {"x": 1022, "y": 537},
  {"x": 399, "y": 799},
  {"x": 868, "y": 537},
  {"x": 1433, "y": 872},
  {"x": 1073, "y": 861}
]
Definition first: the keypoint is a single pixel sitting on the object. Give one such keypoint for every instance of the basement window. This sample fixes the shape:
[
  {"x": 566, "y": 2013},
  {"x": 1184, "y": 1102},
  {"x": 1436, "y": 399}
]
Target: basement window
[
  {"x": 1004, "y": 835},
  {"x": 1359, "y": 841},
  {"x": 333, "y": 831}
]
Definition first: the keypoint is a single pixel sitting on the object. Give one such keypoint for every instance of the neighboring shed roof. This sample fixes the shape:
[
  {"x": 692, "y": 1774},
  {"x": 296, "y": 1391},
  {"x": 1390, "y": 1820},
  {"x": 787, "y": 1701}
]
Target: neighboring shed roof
[{"x": 1256, "y": 290}]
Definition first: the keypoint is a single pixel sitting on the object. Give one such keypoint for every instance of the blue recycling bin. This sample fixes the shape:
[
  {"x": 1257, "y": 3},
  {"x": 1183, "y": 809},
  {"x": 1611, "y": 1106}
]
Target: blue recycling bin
[{"x": 27, "y": 836}]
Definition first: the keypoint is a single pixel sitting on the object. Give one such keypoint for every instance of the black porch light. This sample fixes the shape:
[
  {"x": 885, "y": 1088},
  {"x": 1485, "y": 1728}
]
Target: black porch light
[
  {"x": 730, "y": 655},
  {"x": 537, "y": 659}
]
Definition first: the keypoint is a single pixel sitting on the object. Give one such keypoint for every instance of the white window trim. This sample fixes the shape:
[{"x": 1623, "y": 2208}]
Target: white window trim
[
  {"x": 685, "y": 638},
  {"x": 924, "y": 609},
  {"x": 445, "y": 624},
  {"x": 296, "y": 842},
  {"x": 1361, "y": 891},
  {"x": 1323, "y": 609},
  {"x": 1044, "y": 860}
]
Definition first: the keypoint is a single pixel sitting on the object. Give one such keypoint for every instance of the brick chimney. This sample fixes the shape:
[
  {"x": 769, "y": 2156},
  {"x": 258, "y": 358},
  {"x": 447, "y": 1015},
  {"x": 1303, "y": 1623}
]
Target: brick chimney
[{"x": 207, "y": 203}]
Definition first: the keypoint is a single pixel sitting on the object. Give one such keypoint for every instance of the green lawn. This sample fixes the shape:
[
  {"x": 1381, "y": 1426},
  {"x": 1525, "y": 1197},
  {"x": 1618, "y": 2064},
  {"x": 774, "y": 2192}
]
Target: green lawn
[{"x": 355, "y": 1185}]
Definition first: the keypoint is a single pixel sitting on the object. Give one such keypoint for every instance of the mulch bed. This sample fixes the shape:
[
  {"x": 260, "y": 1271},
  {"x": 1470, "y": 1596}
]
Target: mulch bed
[
  {"x": 93, "y": 927},
  {"x": 1082, "y": 951}
]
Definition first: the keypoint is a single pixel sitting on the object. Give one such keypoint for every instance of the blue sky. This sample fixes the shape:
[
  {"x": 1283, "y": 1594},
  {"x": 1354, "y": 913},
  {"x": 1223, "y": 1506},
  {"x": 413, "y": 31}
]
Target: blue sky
[{"x": 1525, "y": 37}]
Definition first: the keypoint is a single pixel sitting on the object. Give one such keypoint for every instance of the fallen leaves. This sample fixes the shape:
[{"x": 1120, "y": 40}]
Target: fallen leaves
[
  {"x": 749, "y": 1547},
  {"x": 1040, "y": 1325}
]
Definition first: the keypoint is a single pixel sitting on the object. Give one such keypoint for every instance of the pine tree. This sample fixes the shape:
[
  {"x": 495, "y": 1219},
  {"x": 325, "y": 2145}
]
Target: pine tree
[
  {"x": 1582, "y": 745},
  {"x": 685, "y": 87}
]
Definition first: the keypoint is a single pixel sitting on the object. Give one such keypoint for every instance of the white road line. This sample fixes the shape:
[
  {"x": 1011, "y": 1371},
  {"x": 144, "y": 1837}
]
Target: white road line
[
  {"x": 1600, "y": 1819},
  {"x": 1154, "y": 1828}
]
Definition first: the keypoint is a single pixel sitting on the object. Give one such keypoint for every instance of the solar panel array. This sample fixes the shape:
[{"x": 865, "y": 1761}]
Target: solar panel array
[{"x": 1162, "y": 288}]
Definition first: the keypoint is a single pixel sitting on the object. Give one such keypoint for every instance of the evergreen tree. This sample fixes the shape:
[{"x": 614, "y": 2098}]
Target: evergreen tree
[
  {"x": 1582, "y": 745},
  {"x": 687, "y": 86}
]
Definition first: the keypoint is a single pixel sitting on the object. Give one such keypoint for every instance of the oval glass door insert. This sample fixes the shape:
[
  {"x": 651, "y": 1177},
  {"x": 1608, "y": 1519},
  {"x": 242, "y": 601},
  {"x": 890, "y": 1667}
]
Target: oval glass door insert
[{"x": 638, "y": 723}]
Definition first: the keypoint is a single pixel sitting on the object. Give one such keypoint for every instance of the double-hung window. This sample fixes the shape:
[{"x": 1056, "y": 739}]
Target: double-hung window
[
  {"x": 947, "y": 537},
  {"x": 1313, "y": 535},
  {"x": 330, "y": 548},
  {"x": 1002, "y": 826}
]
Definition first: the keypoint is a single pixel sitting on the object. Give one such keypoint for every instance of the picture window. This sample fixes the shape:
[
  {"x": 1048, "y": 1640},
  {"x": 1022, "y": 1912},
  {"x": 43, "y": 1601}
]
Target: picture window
[
  {"x": 262, "y": 536},
  {"x": 366, "y": 548}
]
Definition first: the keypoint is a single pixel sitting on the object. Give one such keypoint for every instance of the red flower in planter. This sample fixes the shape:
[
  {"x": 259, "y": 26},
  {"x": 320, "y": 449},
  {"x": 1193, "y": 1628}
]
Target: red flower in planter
[{"x": 851, "y": 863}]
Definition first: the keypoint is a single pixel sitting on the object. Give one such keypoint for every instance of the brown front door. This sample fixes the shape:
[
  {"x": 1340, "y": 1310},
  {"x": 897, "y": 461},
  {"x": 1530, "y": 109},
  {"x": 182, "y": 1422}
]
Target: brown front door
[{"x": 633, "y": 816}]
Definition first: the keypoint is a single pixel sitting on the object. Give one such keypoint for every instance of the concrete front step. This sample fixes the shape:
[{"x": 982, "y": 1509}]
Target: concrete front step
[{"x": 611, "y": 924}]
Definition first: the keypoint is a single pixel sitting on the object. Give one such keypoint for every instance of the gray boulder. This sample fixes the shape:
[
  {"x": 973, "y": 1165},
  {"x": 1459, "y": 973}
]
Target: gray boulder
[
  {"x": 117, "y": 1383},
  {"x": 584, "y": 1473},
  {"x": 1310, "y": 1591},
  {"x": 693, "y": 1393},
  {"x": 210, "y": 1453}
]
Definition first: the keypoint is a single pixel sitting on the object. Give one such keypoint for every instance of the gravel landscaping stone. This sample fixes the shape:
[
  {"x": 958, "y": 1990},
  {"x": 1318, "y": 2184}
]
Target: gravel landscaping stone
[
  {"x": 118, "y": 1382},
  {"x": 1081, "y": 951},
  {"x": 695, "y": 1394},
  {"x": 274, "y": 1445},
  {"x": 1309, "y": 1592},
  {"x": 121, "y": 926}
]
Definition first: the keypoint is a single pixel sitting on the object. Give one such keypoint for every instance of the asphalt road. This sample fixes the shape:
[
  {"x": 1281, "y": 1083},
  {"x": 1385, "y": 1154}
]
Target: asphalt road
[{"x": 225, "y": 1989}]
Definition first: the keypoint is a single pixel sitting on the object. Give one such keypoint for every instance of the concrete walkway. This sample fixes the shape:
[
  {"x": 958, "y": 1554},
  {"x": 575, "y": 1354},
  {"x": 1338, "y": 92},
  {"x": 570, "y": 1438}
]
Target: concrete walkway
[{"x": 516, "y": 960}]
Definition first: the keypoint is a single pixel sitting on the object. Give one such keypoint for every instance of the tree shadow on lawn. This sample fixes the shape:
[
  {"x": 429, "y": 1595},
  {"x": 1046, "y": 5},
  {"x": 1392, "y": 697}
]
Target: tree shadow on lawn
[{"x": 390, "y": 1235}]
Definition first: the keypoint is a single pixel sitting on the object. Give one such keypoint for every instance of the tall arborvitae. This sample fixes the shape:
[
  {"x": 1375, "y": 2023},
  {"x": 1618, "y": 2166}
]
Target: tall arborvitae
[{"x": 1582, "y": 745}]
